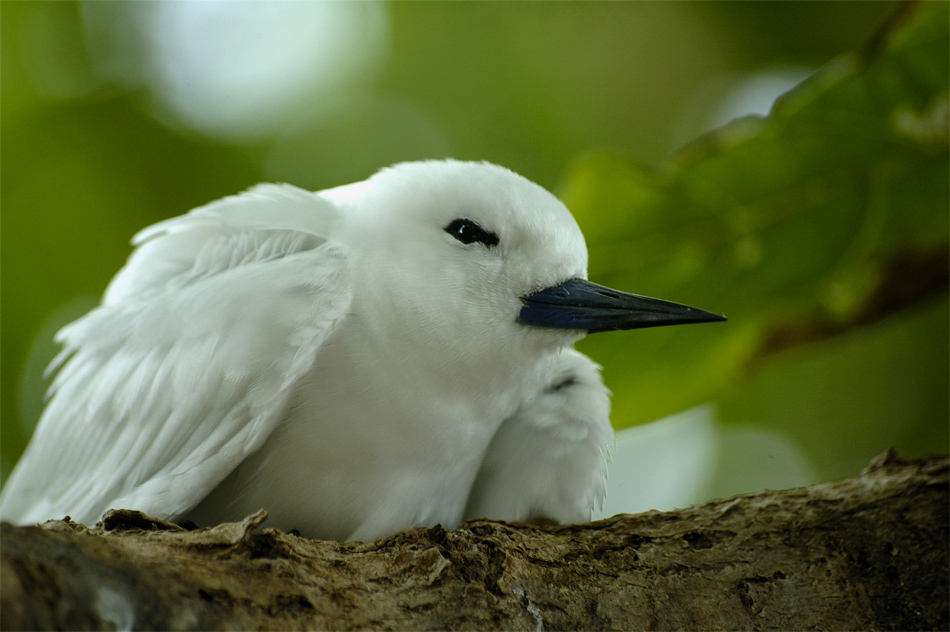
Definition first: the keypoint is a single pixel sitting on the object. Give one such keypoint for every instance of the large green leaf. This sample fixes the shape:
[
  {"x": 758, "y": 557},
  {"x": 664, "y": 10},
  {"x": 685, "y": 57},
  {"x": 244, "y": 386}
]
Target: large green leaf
[{"x": 830, "y": 213}]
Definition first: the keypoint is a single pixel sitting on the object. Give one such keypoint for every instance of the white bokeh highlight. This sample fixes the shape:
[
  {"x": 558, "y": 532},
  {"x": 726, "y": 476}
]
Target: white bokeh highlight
[
  {"x": 237, "y": 70},
  {"x": 690, "y": 458}
]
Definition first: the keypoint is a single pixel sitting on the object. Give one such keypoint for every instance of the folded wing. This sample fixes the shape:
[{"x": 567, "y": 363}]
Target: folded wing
[
  {"x": 186, "y": 367},
  {"x": 549, "y": 460}
]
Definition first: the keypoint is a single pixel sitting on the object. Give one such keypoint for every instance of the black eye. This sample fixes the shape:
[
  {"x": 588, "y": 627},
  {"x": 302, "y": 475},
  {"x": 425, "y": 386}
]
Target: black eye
[{"x": 467, "y": 232}]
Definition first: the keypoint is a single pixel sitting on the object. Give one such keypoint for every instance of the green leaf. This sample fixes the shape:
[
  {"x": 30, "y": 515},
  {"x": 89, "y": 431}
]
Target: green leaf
[{"x": 797, "y": 226}]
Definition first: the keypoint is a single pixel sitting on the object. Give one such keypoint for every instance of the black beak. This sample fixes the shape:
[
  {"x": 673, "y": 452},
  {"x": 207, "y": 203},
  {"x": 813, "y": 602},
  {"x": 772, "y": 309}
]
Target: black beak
[{"x": 580, "y": 304}]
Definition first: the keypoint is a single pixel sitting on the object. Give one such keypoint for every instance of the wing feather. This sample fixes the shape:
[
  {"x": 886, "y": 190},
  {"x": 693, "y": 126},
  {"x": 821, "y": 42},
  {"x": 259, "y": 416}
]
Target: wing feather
[
  {"x": 549, "y": 460},
  {"x": 186, "y": 367}
]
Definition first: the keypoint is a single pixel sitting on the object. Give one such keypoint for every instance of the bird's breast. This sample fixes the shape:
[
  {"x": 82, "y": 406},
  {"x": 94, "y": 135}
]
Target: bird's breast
[{"x": 366, "y": 449}]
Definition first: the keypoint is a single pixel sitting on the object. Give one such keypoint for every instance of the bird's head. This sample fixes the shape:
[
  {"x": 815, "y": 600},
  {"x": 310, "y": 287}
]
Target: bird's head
[{"x": 476, "y": 258}]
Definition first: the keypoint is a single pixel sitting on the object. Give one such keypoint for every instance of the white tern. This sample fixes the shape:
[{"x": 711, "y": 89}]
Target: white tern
[{"x": 357, "y": 361}]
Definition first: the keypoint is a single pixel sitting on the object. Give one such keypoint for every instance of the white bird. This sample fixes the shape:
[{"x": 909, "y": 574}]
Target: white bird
[{"x": 357, "y": 361}]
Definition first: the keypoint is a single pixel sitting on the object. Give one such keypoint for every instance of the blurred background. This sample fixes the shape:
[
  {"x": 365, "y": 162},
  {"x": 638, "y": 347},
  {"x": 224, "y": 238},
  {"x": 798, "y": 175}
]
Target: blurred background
[{"x": 116, "y": 115}]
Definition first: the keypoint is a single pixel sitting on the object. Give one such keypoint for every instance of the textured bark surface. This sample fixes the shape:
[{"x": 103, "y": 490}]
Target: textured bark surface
[{"x": 870, "y": 552}]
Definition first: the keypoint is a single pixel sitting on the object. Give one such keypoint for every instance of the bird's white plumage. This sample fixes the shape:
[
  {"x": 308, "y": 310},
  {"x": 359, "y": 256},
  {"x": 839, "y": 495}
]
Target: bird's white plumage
[
  {"x": 336, "y": 358},
  {"x": 562, "y": 434},
  {"x": 186, "y": 367}
]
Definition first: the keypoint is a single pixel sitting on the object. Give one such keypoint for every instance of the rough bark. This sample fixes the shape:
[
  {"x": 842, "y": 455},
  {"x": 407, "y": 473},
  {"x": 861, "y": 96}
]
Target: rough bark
[{"x": 870, "y": 552}]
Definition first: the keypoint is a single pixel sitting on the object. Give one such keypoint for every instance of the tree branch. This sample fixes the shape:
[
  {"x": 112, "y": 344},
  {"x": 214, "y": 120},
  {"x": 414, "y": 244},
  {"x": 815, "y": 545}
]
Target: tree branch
[
  {"x": 869, "y": 552},
  {"x": 907, "y": 280}
]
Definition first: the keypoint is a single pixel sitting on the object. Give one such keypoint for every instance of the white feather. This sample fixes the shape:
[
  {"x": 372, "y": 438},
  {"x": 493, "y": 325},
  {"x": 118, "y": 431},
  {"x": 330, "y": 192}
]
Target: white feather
[
  {"x": 549, "y": 460},
  {"x": 336, "y": 358},
  {"x": 186, "y": 367}
]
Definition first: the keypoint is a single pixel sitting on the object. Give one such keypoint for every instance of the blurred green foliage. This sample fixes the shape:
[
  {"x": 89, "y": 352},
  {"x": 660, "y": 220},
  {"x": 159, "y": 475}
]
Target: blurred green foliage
[
  {"x": 790, "y": 223},
  {"x": 798, "y": 225}
]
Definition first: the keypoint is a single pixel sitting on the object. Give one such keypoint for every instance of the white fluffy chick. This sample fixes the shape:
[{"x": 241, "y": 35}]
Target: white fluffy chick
[{"x": 357, "y": 361}]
